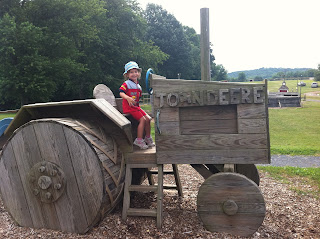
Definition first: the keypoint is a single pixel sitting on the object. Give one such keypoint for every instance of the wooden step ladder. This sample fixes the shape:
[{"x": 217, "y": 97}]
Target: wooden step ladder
[
  {"x": 174, "y": 172},
  {"x": 143, "y": 159},
  {"x": 147, "y": 159}
]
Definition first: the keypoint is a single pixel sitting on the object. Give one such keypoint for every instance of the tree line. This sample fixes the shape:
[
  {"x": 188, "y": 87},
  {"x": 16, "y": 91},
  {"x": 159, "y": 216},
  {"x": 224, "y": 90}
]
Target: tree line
[
  {"x": 53, "y": 50},
  {"x": 272, "y": 73}
]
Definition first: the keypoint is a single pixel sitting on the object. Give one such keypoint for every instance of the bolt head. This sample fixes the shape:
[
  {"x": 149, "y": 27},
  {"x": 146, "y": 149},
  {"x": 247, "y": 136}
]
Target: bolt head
[{"x": 42, "y": 169}]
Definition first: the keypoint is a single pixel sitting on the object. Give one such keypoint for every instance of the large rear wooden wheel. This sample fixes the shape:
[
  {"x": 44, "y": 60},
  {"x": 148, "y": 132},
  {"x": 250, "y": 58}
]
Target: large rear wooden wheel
[
  {"x": 231, "y": 203},
  {"x": 61, "y": 174}
]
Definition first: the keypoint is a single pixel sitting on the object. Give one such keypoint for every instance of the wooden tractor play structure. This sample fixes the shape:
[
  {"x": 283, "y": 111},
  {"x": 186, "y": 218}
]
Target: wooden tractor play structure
[
  {"x": 66, "y": 165},
  {"x": 63, "y": 164}
]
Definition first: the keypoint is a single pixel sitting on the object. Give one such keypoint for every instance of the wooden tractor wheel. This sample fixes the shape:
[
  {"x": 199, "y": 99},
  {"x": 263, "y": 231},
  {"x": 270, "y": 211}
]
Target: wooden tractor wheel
[
  {"x": 231, "y": 203},
  {"x": 61, "y": 174}
]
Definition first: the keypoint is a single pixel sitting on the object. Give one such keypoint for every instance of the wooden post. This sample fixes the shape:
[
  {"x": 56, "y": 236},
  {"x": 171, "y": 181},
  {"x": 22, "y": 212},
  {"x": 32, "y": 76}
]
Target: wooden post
[{"x": 205, "y": 44}]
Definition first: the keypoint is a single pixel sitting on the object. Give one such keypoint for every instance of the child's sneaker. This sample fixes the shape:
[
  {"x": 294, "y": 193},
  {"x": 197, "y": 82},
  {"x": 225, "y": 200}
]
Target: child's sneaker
[
  {"x": 140, "y": 143},
  {"x": 149, "y": 141}
]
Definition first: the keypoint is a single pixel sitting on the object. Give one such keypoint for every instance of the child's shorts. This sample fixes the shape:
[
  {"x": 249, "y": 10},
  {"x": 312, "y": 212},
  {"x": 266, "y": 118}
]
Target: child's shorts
[{"x": 136, "y": 113}]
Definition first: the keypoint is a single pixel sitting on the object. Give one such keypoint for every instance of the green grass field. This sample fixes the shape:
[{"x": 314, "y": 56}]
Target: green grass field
[{"x": 295, "y": 131}]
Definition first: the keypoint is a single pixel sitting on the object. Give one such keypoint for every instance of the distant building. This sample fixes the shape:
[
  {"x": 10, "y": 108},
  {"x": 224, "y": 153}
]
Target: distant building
[
  {"x": 284, "y": 98},
  {"x": 284, "y": 87}
]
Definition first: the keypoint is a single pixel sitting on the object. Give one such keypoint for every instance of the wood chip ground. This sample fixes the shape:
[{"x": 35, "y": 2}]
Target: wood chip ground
[{"x": 289, "y": 215}]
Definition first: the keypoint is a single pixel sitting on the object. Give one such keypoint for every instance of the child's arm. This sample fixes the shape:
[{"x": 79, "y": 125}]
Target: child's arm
[{"x": 130, "y": 100}]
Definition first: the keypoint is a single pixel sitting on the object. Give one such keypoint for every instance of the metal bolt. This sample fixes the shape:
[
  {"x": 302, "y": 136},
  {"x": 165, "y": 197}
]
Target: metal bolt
[
  {"x": 54, "y": 172},
  {"x": 57, "y": 186},
  {"x": 36, "y": 191},
  {"x": 42, "y": 169},
  {"x": 48, "y": 195},
  {"x": 44, "y": 182}
]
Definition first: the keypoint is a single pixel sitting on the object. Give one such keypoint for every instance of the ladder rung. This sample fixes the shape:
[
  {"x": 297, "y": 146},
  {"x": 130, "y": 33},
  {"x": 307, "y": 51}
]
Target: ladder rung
[
  {"x": 143, "y": 188},
  {"x": 168, "y": 186},
  {"x": 142, "y": 212},
  {"x": 164, "y": 171}
]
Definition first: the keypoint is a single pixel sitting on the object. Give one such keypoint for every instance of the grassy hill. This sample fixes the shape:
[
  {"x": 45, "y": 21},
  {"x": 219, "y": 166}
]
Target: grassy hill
[{"x": 265, "y": 73}]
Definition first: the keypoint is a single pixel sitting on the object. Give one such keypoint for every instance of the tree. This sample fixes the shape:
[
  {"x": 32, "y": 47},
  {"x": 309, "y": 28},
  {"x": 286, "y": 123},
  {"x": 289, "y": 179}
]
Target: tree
[
  {"x": 22, "y": 65},
  {"x": 167, "y": 33},
  {"x": 317, "y": 74},
  {"x": 218, "y": 72},
  {"x": 242, "y": 77},
  {"x": 258, "y": 78},
  {"x": 194, "y": 40}
]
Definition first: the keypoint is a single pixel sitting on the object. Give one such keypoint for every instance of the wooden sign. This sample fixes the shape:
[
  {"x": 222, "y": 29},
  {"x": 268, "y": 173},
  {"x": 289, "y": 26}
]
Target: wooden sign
[{"x": 210, "y": 122}]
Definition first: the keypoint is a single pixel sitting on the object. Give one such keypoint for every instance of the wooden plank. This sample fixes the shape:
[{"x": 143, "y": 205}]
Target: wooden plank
[
  {"x": 112, "y": 113},
  {"x": 212, "y": 142},
  {"x": 142, "y": 212},
  {"x": 168, "y": 128},
  {"x": 88, "y": 173},
  {"x": 181, "y": 93},
  {"x": 54, "y": 146},
  {"x": 214, "y": 112},
  {"x": 12, "y": 191},
  {"x": 160, "y": 196},
  {"x": 143, "y": 188},
  {"x": 252, "y": 126},
  {"x": 138, "y": 156},
  {"x": 247, "y": 156},
  {"x": 47, "y": 217},
  {"x": 171, "y": 85},
  {"x": 253, "y": 111},
  {"x": 206, "y": 127},
  {"x": 169, "y": 114},
  {"x": 156, "y": 77}
]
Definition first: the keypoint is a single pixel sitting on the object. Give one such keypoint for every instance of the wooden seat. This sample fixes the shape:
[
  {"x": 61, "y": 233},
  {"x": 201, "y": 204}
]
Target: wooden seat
[{"x": 142, "y": 159}]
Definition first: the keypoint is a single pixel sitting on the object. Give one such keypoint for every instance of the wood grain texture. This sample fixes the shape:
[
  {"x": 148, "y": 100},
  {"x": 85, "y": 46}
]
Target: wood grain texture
[
  {"x": 98, "y": 110},
  {"x": 91, "y": 190},
  {"x": 214, "y": 112},
  {"x": 212, "y": 142},
  {"x": 252, "y": 126},
  {"x": 208, "y": 127},
  {"x": 219, "y": 215},
  {"x": 251, "y": 111},
  {"x": 242, "y": 156},
  {"x": 101, "y": 91}
]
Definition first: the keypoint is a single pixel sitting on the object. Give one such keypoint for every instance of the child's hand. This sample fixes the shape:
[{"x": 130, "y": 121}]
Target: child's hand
[{"x": 131, "y": 101}]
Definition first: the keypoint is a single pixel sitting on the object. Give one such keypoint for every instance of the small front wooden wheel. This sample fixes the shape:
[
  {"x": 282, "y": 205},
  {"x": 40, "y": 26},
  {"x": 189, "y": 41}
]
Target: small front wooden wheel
[{"x": 231, "y": 203}]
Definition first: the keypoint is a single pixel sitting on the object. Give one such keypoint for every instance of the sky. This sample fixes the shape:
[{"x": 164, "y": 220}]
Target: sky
[{"x": 251, "y": 34}]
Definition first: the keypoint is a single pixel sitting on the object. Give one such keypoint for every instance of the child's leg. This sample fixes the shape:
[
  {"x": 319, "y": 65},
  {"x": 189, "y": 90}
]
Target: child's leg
[
  {"x": 147, "y": 126},
  {"x": 141, "y": 127},
  {"x": 148, "y": 138}
]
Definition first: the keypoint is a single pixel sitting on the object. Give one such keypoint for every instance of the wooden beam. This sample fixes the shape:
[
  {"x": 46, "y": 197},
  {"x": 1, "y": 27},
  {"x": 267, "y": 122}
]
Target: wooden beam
[{"x": 205, "y": 44}]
